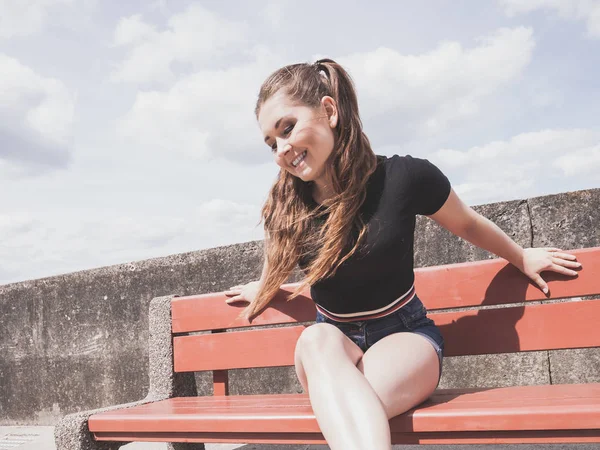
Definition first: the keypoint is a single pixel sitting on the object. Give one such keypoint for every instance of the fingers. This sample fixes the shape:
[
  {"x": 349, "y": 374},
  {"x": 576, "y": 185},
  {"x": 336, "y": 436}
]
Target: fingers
[
  {"x": 234, "y": 290},
  {"x": 562, "y": 262},
  {"x": 541, "y": 283},
  {"x": 556, "y": 260},
  {"x": 237, "y": 298},
  {"x": 237, "y": 286},
  {"x": 563, "y": 270},
  {"x": 566, "y": 256}
]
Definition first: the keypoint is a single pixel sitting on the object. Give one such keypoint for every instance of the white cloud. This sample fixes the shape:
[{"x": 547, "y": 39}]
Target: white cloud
[
  {"x": 435, "y": 89},
  {"x": 274, "y": 13},
  {"x": 25, "y": 17},
  {"x": 586, "y": 10},
  {"x": 62, "y": 243},
  {"x": 197, "y": 37},
  {"x": 13, "y": 225},
  {"x": 225, "y": 211},
  {"x": 209, "y": 114},
  {"x": 36, "y": 115},
  {"x": 133, "y": 30},
  {"x": 585, "y": 161},
  {"x": 526, "y": 165}
]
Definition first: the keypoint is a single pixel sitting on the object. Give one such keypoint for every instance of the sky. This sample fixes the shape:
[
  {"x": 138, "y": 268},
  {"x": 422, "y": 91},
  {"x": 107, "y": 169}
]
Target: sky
[{"x": 127, "y": 129}]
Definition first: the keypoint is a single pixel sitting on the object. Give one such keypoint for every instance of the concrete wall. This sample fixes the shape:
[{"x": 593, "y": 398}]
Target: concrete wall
[{"x": 78, "y": 341}]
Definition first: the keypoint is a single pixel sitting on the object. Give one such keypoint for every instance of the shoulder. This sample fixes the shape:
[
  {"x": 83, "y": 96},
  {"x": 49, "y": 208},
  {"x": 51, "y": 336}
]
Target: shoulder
[
  {"x": 397, "y": 161},
  {"x": 400, "y": 165},
  {"x": 419, "y": 179},
  {"x": 406, "y": 165},
  {"x": 392, "y": 176}
]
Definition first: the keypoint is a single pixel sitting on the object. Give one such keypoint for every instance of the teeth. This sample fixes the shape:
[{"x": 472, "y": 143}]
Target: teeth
[{"x": 299, "y": 159}]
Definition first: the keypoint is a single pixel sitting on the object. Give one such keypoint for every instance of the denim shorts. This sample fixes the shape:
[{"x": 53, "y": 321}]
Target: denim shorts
[{"x": 411, "y": 318}]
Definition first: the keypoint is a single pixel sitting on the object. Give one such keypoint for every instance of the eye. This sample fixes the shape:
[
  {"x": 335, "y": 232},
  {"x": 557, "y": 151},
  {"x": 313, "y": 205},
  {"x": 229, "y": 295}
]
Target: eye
[{"x": 288, "y": 130}]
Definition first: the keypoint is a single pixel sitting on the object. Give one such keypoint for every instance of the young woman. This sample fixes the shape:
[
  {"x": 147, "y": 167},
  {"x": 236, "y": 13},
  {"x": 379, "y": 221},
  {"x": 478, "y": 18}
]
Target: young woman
[{"x": 347, "y": 218}]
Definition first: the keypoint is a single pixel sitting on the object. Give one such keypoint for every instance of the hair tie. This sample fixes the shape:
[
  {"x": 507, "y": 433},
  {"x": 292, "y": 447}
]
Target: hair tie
[{"x": 321, "y": 68}]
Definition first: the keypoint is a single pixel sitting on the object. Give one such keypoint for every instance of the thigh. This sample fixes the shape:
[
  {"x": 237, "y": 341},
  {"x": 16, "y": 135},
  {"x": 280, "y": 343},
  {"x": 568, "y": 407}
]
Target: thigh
[
  {"x": 403, "y": 369},
  {"x": 322, "y": 344}
]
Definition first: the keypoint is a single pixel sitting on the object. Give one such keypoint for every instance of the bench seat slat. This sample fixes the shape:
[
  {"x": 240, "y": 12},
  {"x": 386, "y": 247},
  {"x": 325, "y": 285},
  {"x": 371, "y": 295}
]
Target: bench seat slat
[
  {"x": 477, "y": 437},
  {"x": 490, "y": 282},
  {"x": 520, "y": 408}
]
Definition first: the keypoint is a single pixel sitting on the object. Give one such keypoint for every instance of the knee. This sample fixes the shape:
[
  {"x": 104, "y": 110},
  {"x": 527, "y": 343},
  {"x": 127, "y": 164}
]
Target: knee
[{"x": 318, "y": 340}]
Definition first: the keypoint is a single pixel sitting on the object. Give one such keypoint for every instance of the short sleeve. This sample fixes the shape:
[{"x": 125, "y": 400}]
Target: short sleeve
[{"x": 429, "y": 187}]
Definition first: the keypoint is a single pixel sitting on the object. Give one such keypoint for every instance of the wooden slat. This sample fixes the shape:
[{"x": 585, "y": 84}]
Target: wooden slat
[
  {"x": 496, "y": 437},
  {"x": 573, "y": 324},
  {"x": 551, "y": 326},
  {"x": 521, "y": 408},
  {"x": 220, "y": 382},
  {"x": 496, "y": 282},
  {"x": 221, "y": 438},
  {"x": 210, "y": 312},
  {"x": 270, "y": 347},
  {"x": 220, "y": 378},
  {"x": 490, "y": 282}
]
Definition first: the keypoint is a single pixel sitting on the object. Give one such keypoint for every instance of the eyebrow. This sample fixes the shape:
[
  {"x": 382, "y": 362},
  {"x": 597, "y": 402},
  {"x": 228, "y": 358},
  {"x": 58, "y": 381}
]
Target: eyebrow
[{"x": 277, "y": 126}]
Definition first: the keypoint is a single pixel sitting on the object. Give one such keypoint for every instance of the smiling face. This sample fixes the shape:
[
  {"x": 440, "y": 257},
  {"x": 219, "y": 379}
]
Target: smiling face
[{"x": 300, "y": 137}]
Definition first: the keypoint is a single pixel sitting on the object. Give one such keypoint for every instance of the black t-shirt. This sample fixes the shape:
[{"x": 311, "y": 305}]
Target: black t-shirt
[{"x": 381, "y": 269}]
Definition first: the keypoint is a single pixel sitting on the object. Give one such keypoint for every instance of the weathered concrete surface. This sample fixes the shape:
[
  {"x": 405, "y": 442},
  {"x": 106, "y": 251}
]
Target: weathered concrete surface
[
  {"x": 575, "y": 366},
  {"x": 79, "y": 341},
  {"x": 568, "y": 221},
  {"x": 435, "y": 245},
  {"x": 72, "y": 433},
  {"x": 523, "y": 369},
  {"x": 261, "y": 381}
]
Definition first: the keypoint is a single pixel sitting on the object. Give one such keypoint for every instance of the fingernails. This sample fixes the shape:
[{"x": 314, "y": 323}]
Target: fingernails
[{"x": 545, "y": 290}]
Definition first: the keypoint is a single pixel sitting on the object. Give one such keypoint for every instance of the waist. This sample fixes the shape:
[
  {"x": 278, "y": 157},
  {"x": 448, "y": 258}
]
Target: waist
[{"x": 373, "y": 314}]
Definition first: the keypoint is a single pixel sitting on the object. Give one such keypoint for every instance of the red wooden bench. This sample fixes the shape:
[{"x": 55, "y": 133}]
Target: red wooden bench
[{"x": 520, "y": 414}]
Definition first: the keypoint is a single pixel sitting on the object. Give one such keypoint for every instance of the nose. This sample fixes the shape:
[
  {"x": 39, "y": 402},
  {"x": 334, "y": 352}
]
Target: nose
[{"x": 283, "y": 148}]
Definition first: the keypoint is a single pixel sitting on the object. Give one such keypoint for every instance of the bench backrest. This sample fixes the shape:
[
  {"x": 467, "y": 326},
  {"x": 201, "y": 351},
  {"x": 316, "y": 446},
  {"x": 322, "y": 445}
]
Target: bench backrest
[{"x": 468, "y": 301}]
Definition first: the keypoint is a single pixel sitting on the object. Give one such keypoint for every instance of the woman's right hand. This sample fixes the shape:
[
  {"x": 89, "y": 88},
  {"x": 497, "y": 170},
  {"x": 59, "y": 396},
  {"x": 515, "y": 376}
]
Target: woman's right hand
[{"x": 243, "y": 292}]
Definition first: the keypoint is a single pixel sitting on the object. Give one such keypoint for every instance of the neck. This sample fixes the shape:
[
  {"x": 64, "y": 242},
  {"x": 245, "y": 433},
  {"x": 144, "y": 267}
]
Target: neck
[{"x": 322, "y": 190}]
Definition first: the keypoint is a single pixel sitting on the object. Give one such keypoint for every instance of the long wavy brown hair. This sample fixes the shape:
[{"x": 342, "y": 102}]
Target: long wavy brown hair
[{"x": 289, "y": 214}]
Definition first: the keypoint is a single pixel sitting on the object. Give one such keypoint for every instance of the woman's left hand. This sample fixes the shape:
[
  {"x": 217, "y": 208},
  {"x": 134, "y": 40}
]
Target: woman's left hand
[{"x": 537, "y": 260}]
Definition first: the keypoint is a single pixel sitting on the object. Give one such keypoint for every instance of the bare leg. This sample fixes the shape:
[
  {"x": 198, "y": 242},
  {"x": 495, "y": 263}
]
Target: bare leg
[
  {"x": 347, "y": 408},
  {"x": 403, "y": 368}
]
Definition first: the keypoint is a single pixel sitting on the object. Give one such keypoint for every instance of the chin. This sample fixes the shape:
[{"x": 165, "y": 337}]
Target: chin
[{"x": 306, "y": 177}]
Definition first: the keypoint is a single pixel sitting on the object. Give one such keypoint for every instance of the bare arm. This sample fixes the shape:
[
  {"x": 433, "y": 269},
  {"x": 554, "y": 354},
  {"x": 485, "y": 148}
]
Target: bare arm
[
  {"x": 247, "y": 292},
  {"x": 464, "y": 222}
]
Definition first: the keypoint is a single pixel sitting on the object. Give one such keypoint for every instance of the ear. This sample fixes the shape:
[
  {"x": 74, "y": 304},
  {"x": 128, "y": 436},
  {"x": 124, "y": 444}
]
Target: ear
[{"x": 331, "y": 109}]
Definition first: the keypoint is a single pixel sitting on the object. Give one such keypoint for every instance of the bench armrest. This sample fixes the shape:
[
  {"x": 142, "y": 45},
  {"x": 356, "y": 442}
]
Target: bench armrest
[
  {"x": 72, "y": 431},
  {"x": 163, "y": 382}
]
